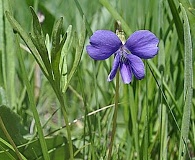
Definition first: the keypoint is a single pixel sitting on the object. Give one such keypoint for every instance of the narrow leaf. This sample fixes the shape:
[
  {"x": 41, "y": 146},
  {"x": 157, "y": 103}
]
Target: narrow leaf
[
  {"x": 63, "y": 61},
  {"x": 2, "y": 48},
  {"x": 56, "y": 36},
  {"x": 82, "y": 14},
  {"x": 17, "y": 28},
  {"x": 164, "y": 139},
  {"x": 5, "y": 147},
  {"x": 3, "y": 98},
  {"x": 79, "y": 51},
  {"x": 192, "y": 10},
  {"x": 188, "y": 90},
  {"x": 177, "y": 20}
]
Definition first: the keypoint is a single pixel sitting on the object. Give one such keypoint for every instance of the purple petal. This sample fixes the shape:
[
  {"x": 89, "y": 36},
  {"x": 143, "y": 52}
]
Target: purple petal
[
  {"x": 103, "y": 44},
  {"x": 143, "y": 43},
  {"x": 137, "y": 66},
  {"x": 126, "y": 74},
  {"x": 114, "y": 67}
]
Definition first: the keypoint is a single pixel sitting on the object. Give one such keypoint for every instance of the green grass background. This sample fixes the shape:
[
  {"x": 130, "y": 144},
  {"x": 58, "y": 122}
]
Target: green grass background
[{"x": 156, "y": 116}]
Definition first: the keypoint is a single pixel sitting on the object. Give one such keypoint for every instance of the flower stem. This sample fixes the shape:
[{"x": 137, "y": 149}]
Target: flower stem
[{"x": 115, "y": 115}]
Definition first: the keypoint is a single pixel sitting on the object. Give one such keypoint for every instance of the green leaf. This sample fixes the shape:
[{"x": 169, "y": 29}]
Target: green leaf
[
  {"x": 116, "y": 16},
  {"x": 63, "y": 61},
  {"x": 133, "y": 112},
  {"x": 82, "y": 14},
  {"x": 2, "y": 48},
  {"x": 164, "y": 133},
  {"x": 13, "y": 125},
  {"x": 1, "y": 25},
  {"x": 79, "y": 51},
  {"x": 7, "y": 151},
  {"x": 57, "y": 45},
  {"x": 156, "y": 71},
  {"x": 57, "y": 145},
  {"x": 17, "y": 28},
  {"x": 56, "y": 36},
  {"x": 9, "y": 58},
  {"x": 38, "y": 40},
  {"x": 3, "y": 98},
  {"x": 161, "y": 57},
  {"x": 192, "y": 10},
  {"x": 188, "y": 90},
  {"x": 176, "y": 19}
]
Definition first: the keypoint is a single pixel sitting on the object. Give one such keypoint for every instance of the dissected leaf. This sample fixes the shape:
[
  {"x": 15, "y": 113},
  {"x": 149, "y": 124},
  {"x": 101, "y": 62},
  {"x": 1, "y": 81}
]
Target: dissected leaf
[
  {"x": 38, "y": 40},
  {"x": 57, "y": 45}
]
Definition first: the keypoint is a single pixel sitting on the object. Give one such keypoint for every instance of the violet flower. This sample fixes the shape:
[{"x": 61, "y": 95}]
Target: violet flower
[{"x": 141, "y": 44}]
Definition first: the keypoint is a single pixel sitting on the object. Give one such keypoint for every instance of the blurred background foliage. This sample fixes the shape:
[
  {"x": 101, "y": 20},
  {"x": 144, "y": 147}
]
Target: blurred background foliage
[{"x": 142, "y": 110}]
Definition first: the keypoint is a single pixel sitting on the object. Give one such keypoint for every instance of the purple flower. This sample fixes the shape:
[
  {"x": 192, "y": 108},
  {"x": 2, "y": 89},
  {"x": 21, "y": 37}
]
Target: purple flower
[{"x": 141, "y": 44}]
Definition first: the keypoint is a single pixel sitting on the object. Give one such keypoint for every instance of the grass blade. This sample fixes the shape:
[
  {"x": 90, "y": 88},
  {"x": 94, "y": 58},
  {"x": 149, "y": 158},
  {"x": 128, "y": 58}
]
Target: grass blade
[
  {"x": 8, "y": 56},
  {"x": 116, "y": 16},
  {"x": 10, "y": 147},
  {"x": 33, "y": 105},
  {"x": 2, "y": 49},
  {"x": 82, "y": 14},
  {"x": 176, "y": 19},
  {"x": 188, "y": 90},
  {"x": 10, "y": 139}
]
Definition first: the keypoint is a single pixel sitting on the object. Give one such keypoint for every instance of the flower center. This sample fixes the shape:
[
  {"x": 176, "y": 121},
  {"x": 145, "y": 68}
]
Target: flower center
[{"x": 123, "y": 51}]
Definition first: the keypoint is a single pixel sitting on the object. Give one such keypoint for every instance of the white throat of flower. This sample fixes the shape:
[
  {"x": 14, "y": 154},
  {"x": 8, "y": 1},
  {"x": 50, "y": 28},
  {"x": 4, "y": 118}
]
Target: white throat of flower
[{"x": 121, "y": 35}]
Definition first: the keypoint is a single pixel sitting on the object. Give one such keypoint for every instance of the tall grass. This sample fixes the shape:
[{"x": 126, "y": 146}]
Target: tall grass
[{"x": 62, "y": 97}]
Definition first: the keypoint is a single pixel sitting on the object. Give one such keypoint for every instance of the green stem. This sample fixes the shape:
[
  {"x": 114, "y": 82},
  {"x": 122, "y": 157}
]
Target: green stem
[
  {"x": 115, "y": 115},
  {"x": 61, "y": 100},
  {"x": 68, "y": 130},
  {"x": 10, "y": 139}
]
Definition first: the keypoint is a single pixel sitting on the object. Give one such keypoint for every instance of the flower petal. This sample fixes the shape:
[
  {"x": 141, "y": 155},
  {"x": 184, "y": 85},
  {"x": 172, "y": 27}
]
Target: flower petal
[
  {"x": 114, "y": 67},
  {"x": 103, "y": 43},
  {"x": 142, "y": 43},
  {"x": 137, "y": 66},
  {"x": 125, "y": 71}
]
